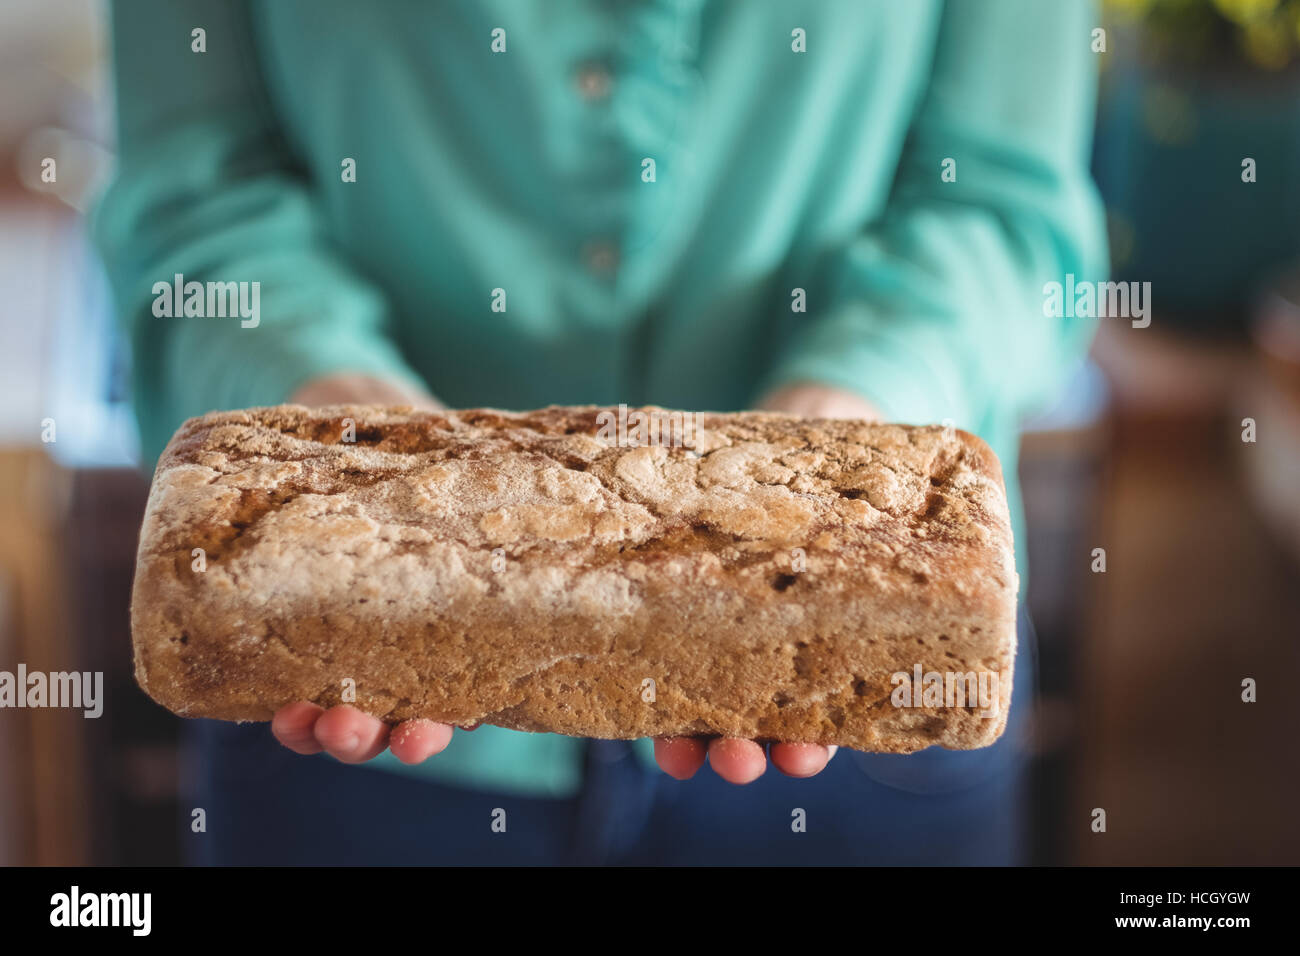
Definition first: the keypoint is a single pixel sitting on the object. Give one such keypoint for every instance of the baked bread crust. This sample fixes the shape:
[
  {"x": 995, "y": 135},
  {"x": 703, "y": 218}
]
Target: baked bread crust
[{"x": 513, "y": 569}]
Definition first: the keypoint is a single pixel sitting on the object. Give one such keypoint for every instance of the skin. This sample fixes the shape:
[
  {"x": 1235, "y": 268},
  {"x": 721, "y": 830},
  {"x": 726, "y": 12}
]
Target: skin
[{"x": 350, "y": 736}]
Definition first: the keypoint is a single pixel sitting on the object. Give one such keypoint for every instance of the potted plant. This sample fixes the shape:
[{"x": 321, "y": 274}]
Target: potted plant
[{"x": 1198, "y": 151}]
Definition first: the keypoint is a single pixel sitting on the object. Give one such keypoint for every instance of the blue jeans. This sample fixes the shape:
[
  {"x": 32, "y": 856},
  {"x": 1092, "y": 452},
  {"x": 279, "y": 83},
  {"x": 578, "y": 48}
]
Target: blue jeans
[{"x": 267, "y": 806}]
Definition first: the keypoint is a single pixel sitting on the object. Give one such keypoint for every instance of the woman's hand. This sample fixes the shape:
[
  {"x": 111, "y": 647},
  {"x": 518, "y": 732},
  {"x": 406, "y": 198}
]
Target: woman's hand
[
  {"x": 352, "y": 388},
  {"x": 743, "y": 761},
  {"x": 345, "y": 732},
  {"x": 736, "y": 760},
  {"x": 818, "y": 401}
]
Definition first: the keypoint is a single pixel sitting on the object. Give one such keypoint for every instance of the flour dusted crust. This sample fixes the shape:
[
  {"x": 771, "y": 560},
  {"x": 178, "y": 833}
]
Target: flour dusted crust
[{"x": 512, "y": 569}]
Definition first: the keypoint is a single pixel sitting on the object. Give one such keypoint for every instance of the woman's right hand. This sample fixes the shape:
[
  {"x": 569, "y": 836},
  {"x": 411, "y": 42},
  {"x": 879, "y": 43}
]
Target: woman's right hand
[
  {"x": 354, "y": 388},
  {"x": 347, "y": 734}
]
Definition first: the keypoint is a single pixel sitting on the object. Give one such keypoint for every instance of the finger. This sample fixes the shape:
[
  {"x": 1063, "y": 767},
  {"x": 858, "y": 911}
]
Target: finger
[
  {"x": 293, "y": 724},
  {"x": 679, "y": 757},
  {"x": 801, "y": 760},
  {"x": 417, "y": 740},
  {"x": 351, "y": 736},
  {"x": 737, "y": 761}
]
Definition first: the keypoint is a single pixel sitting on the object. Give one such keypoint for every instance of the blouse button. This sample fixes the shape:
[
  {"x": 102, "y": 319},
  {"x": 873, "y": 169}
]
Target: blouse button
[
  {"x": 593, "y": 81},
  {"x": 601, "y": 256}
]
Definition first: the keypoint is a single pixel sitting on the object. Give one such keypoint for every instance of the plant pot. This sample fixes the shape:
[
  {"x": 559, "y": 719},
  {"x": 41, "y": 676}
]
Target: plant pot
[{"x": 1168, "y": 159}]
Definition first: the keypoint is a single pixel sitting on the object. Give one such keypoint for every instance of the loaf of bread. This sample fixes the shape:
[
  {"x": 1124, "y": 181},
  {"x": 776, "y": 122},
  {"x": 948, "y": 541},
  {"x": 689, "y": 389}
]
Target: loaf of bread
[{"x": 749, "y": 575}]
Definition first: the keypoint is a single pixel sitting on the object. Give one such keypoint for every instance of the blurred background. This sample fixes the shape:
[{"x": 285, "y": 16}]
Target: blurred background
[{"x": 1143, "y": 456}]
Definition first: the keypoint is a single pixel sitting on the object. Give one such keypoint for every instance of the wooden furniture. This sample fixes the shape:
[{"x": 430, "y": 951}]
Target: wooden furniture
[{"x": 44, "y": 749}]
